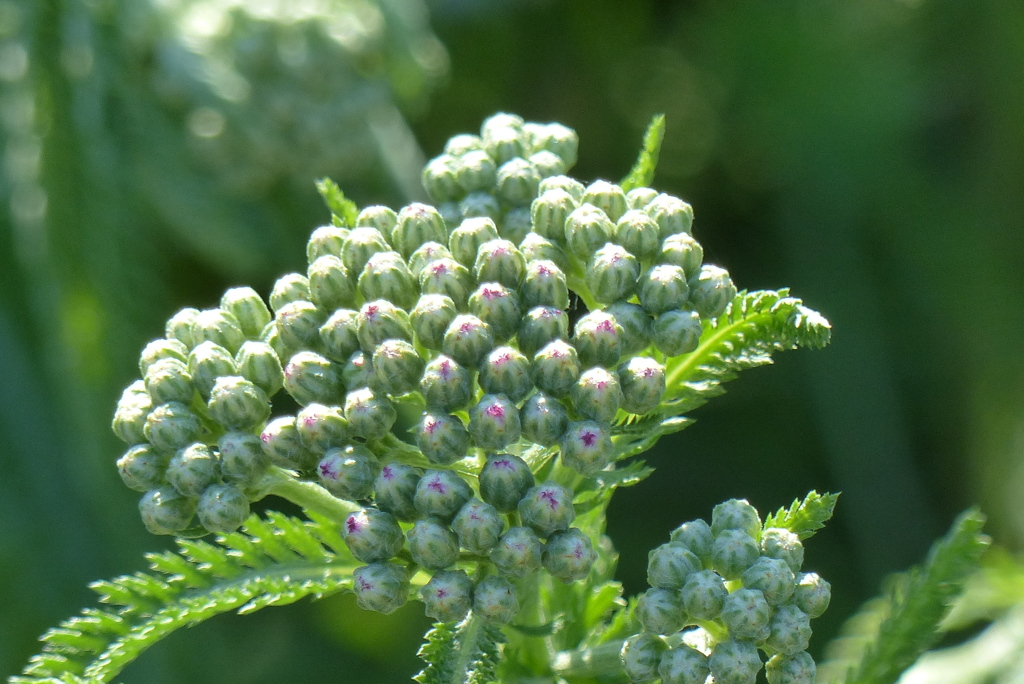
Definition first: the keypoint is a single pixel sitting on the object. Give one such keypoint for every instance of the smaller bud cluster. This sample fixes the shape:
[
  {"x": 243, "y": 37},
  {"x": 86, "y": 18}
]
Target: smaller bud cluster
[{"x": 745, "y": 580}]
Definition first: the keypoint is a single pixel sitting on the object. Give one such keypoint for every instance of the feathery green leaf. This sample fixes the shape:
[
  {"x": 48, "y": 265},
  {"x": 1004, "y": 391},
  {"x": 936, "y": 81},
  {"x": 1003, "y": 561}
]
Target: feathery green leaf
[
  {"x": 642, "y": 173},
  {"x": 343, "y": 210},
  {"x": 806, "y": 517},
  {"x": 466, "y": 653}
]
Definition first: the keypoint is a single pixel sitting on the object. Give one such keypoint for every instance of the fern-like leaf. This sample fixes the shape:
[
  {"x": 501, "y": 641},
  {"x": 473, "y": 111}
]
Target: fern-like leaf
[
  {"x": 642, "y": 173},
  {"x": 467, "y": 653},
  {"x": 891, "y": 632},
  {"x": 488, "y": 653},
  {"x": 273, "y": 562},
  {"x": 806, "y": 517},
  {"x": 440, "y": 652},
  {"x": 343, "y": 210}
]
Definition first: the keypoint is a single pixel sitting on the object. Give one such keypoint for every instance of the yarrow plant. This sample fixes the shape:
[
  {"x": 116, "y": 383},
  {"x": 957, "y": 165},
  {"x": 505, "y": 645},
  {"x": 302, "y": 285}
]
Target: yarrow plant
[{"x": 452, "y": 392}]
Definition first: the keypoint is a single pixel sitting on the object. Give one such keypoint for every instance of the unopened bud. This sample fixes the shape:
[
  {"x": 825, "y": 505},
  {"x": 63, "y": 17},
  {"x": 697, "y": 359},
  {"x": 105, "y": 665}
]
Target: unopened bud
[
  {"x": 298, "y": 324},
  {"x": 358, "y": 373},
  {"x": 550, "y": 212},
  {"x": 431, "y": 317},
  {"x": 641, "y": 655},
  {"x": 562, "y": 141},
  {"x": 683, "y": 665},
  {"x": 223, "y": 508},
  {"x": 360, "y": 245},
  {"x": 518, "y": 552},
  {"x": 282, "y": 445},
  {"x": 663, "y": 288},
  {"x": 157, "y": 350},
  {"x": 339, "y": 335},
  {"x": 494, "y": 599},
  {"x": 172, "y": 426},
  {"x": 331, "y": 286},
  {"x": 397, "y": 366},
  {"x": 476, "y": 172},
  {"x": 669, "y": 566},
  {"x": 478, "y": 526},
  {"x": 426, "y": 253},
  {"x": 242, "y": 459},
  {"x": 548, "y": 163},
  {"x": 772, "y": 577},
  {"x": 712, "y": 291},
  {"x": 395, "y": 488},
  {"x": 607, "y": 197},
  {"x": 467, "y": 340},
  {"x": 790, "y": 630},
  {"x": 683, "y": 251},
  {"x": 441, "y": 493},
  {"x": 637, "y": 327},
  {"x": 587, "y": 229},
  {"x": 796, "y": 669},
  {"x": 442, "y": 438},
  {"x": 348, "y": 472},
  {"x": 321, "y": 427},
  {"x": 517, "y": 182},
  {"x": 677, "y": 332},
  {"x": 193, "y": 469},
  {"x": 545, "y": 285},
  {"x": 381, "y": 320},
  {"x": 735, "y": 661},
  {"x": 813, "y": 594},
  {"x": 325, "y": 240},
  {"x": 461, "y": 144},
  {"x": 465, "y": 241},
  {"x": 504, "y": 143},
  {"x": 446, "y": 385},
  {"x": 703, "y": 594},
  {"x": 643, "y": 384},
  {"x": 238, "y": 404},
  {"x": 381, "y": 587},
  {"x": 733, "y": 552},
  {"x": 596, "y": 395},
  {"x": 506, "y": 371},
  {"x": 612, "y": 273},
  {"x": 258, "y": 363},
  {"x": 312, "y": 379},
  {"x": 541, "y": 326},
  {"x": 480, "y": 205},
  {"x": 432, "y": 545},
  {"x": 569, "y": 555},
  {"x": 382, "y": 219},
  {"x": 386, "y": 276},
  {"x": 638, "y": 198},
  {"x": 372, "y": 535},
  {"x": 672, "y": 215},
  {"x": 504, "y": 481},
  {"x": 543, "y": 419},
  {"x": 499, "y": 261},
  {"x": 165, "y": 511},
  {"x": 206, "y": 363},
  {"x": 745, "y": 613},
  {"x": 534, "y": 247},
  {"x": 547, "y": 508},
  {"x": 248, "y": 309},
  {"x": 494, "y": 422},
  {"x": 169, "y": 380},
  {"x": 447, "y": 277},
  {"x": 418, "y": 223},
  {"x": 448, "y": 596},
  {"x": 565, "y": 183},
  {"x": 735, "y": 514},
  {"x": 660, "y": 612},
  {"x": 498, "y": 307},
  {"x": 369, "y": 414},
  {"x": 638, "y": 233},
  {"x": 220, "y": 327},
  {"x": 597, "y": 339},
  {"x": 439, "y": 179},
  {"x": 780, "y": 543},
  {"x": 586, "y": 447},
  {"x": 142, "y": 467},
  {"x": 179, "y": 327},
  {"x": 556, "y": 368},
  {"x": 696, "y": 536}
]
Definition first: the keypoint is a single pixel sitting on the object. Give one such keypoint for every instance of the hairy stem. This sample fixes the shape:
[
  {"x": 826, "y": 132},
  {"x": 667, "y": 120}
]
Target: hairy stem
[
  {"x": 590, "y": 663},
  {"x": 309, "y": 495}
]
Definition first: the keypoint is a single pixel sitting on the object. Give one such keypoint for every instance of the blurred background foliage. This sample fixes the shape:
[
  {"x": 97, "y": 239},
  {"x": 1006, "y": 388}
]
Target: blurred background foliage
[{"x": 870, "y": 155}]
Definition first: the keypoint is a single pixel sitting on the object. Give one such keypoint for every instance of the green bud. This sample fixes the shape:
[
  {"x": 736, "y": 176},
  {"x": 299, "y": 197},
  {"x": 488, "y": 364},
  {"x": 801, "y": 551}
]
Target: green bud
[
  {"x": 712, "y": 291},
  {"x": 683, "y": 665},
  {"x": 179, "y": 327},
  {"x": 258, "y": 363},
  {"x": 683, "y": 251},
  {"x": 504, "y": 481},
  {"x": 248, "y": 309},
  {"x": 358, "y": 372},
  {"x": 734, "y": 662},
  {"x": 242, "y": 459},
  {"x": 397, "y": 366},
  {"x": 418, "y": 223},
  {"x": 813, "y": 594},
  {"x": 550, "y": 211},
  {"x": 348, "y": 472},
  {"x": 432, "y": 545},
  {"x": 440, "y": 179},
  {"x": 504, "y": 144},
  {"x": 223, "y": 508},
  {"x": 641, "y": 655},
  {"x": 361, "y": 244},
  {"x": 381, "y": 587},
  {"x": 381, "y": 320},
  {"x": 790, "y": 630},
  {"x": 292, "y": 287},
  {"x": 442, "y": 438},
  {"x": 795, "y": 669},
  {"x": 165, "y": 511},
  {"x": 271, "y": 336},
  {"x": 169, "y": 380},
  {"x": 596, "y": 395},
  {"x": 703, "y": 594},
  {"x": 517, "y": 182},
  {"x": 541, "y": 326},
  {"x": 569, "y": 555},
  {"x": 735, "y": 514},
  {"x": 494, "y": 599},
  {"x": 283, "y": 446},
  {"x": 386, "y": 276},
  {"x": 677, "y": 332},
  {"x": 312, "y": 379},
  {"x": 516, "y": 224},
  {"x": 636, "y": 327},
  {"x": 494, "y": 422},
  {"x": 193, "y": 469},
  {"x": 569, "y": 185},
  {"x": 638, "y": 198},
  {"x": 669, "y": 565},
  {"x": 426, "y": 253},
  {"x": 545, "y": 285},
  {"x": 745, "y": 613},
  {"x": 441, "y": 493},
  {"x": 733, "y": 552},
  {"x": 446, "y": 385},
  {"x": 331, "y": 286},
  {"x": 447, "y": 277},
  {"x": 321, "y": 427},
  {"x": 662, "y": 288},
  {"x": 556, "y": 368},
  {"x": 459, "y": 145},
  {"x": 448, "y": 596},
  {"x": 547, "y": 508},
  {"x": 498, "y": 307},
  {"x": 638, "y": 233},
  {"x": 535, "y": 247},
  {"x": 780, "y": 543},
  {"x": 518, "y": 552},
  {"x": 506, "y": 371},
  {"x": 772, "y": 577},
  {"x": 339, "y": 335},
  {"x": 381, "y": 218},
  {"x": 672, "y": 215},
  {"x": 660, "y": 612},
  {"x": 220, "y": 327},
  {"x": 161, "y": 349},
  {"x": 548, "y": 163},
  {"x": 607, "y": 197},
  {"x": 543, "y": 419},
  {"x": 465, "y": 241},
  {"x": 476, "y": 172},
  {"x": 643, "y": 384},
  {"x": 478, "y": 526},
  {"x": 238, "y": 404},
  {"x": 480, "y": 205},
  {"x": 325, "y": 240},
  {"x": 431, "y": 317},
  {"x": 612, "y": 273},
  {"x": 142, "y": 467},
  {"x": 369, "y": 414},
  {"x": 498, "y": 261},
  {"x": 597, "y": 339},
  {"x": 298, "y": 324},
  {"x": 587, "y": 229},
  {"x": 372, "y": 535},
  {"x": 563, "y": 141},
  {"x": 467, "y": 340},
  {"x": 586, "y": 447},
  {"x": 171, "y": 426},
  {"x": 696, "y": 536},
  {"x": 395, "y": 488}
]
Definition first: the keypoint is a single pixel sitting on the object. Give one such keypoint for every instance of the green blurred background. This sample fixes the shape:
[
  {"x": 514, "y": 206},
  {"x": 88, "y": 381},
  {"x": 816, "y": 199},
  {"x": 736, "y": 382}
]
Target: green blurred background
[{"x": 869, "y": 154}]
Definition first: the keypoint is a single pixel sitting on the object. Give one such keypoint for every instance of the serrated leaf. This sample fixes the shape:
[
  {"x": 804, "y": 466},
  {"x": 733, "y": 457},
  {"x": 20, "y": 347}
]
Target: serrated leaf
[
  {"x": 642, "y": 173},
  {"x": 466, "y": 653},
  {"x": 343, "y": 210},
  {"x": 805, "y": 517}
]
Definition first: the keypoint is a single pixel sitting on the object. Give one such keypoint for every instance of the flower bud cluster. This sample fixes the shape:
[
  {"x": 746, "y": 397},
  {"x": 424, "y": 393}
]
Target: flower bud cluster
[{"x": 742, "y": 587}]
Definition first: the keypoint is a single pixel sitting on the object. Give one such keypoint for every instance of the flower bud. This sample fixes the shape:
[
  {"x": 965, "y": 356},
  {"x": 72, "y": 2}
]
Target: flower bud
[
  {"x": 813, "y": 594},
  {"x": 796, "y": 669},
  {"x": 451, "y": 213},
  {"x": 498, "y": 307},
  {"x": 165, "y": 511},
  {"x": 223, "y": 508},
  {"x": 258, "y": 363},
  {"x": 772, "y": 577},
  {"x": 506, "y": 371},
  {"x": 447, "y": 277},
  {"x": 383, "y": 219},
  {"x": 418, "y": 223},
  {"x": 439, "y": 179},
  {"x": 292, "y": 287},
  {"x": 612, "y": 273},
  {"x": 372, "y": 535},
  {"x": 479, "y": 205},
  {"x": 142, "y": 467},
  {"x": 381, "y": 587},
  {"x": 311, "y": 379},
  {"x": 465, "y": 241},
  {"x": 660, "y": 612},
  {"x": 669, "y": 566},
  {"x": 426, "y": 253},
  {"x": 446, "y": 385},
  {"x": 745, "y": 613},
  {"x": 238, "y": 404},
  {"x": 543, "y": 419},
  {"x": 703, "y": 594},
  {"x": 386, "y": 276},
  {"x": 395, "y": 488},
  {"x": 331, "y": 286},
  {"x": 587, "y": 229},
  {"x": 641, "y": 655},
  {"x": 638, "y": 233},
  {"x": 712, "y": 291},
  {"x": 548, "y": 163},
  {"x": 442, "y": 438},
  {"x": 298, "y": 324},
  {"x": 242, "y": 459},
  {"x": 430, "y": 319},
  {"x": 206, "y": 363},
  {"x": 192, "y": 469},
  {"x": 359, "y": 246},
  {"x": 161, "y": 349},
  {"x": 517, "y": 182},
  {"x": 448, "y": 596},
  {"x": 696, "y": 536},
  {"x": 518, "y": 552},
  {"x": 547, "y": 508},
  {"x": 478, "y": 526},
  {"x": 790, "y": 630},
  {"x": 734, "y": 661},
  {"x": 461, "y": 144},
  {"x": 607, "y": 197},
  {"x": 321, "y": 427},
  {"x": 169, "y": 380},
  {"x": 494, "y": 599},
  {"x": 248, "y": 309},
  {"x": 358, "y": 373},
  {"x": 283, "y": 446},
  {"x": 498, "y": 261},
  {"x": 735, "y": 514},
  {"x": 677, "y": 332},
  {"x": 596, "y": 338},
  {"x": 476, "y": 172},
  {"x": 683, "y": 251},
  {"x": 220, "y": 327},
  {"x": 369, "y": 414},
  {"x": 586, "y": 447},
  {"x": 441, "y": 493},
  {"x": 643, "y": 384},
  {"x": 172, "y": 426},
  {"x": 568, "y": 555},
  {"x": 596, "y": 395},
  {"x": 565, "y": 183},
  {"x": 494, "y": 422},
  {"x": 348, "y": 472},
  {"x": 132, "y": 409},
  {"x": 544, "y": 285},
  {"x": 550, "y": 211},
  {"x": 563, "y": 141},
  {"x": 662, "y": 288},
  {"x": 780, "y": 543},
  {"x": 637, "y": 327},
  {"x": 504, "y": 144},
  {"x": 541, "y": 326},
  {"x": 324, "y": 241},
  {"x": 179, "y": 327},
  {"x": 733, "y": 552},
  {"x": 432, "y": 545},
  {"x": 672, "y": 215},
  {"x": 556, "y": 368},
  {"x": 381, "y": 320},
  {"x": 535, "y": 247},
  {"x": 397, "y": 367},
  {"x": 683, "y": 665},
  {"x": 339, "y": 335},
  {"x": 504, "y": 481},
  {"x": 638, "y": 198},
  {"x": 467, "y": 340}
]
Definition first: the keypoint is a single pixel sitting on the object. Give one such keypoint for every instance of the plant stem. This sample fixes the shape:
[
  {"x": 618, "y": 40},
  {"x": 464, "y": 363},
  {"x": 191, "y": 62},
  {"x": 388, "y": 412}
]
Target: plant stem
[
  {"x": 309, "y": 495},
  {"x": 590, "y": 663}
]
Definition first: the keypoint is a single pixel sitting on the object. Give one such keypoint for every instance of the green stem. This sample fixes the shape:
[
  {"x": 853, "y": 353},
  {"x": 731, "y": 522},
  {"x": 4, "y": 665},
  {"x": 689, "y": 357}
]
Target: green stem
[
  {"x": 683, "y": 369},
  {"x": 309, "y": 495},
  {"x": 601, "y": 662}
]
